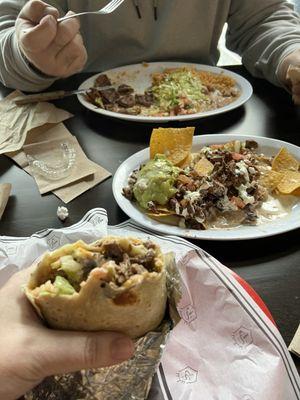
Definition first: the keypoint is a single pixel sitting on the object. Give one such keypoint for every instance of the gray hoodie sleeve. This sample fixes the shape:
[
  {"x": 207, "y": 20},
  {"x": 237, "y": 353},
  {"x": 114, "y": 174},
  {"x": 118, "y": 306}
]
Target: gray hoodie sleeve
[
  {"x": 15, "y": 72},
  {"x": 263, "y": 32}
]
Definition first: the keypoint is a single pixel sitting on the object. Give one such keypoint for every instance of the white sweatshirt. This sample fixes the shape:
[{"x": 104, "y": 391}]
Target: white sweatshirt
[{"x": 263, "y": 32}]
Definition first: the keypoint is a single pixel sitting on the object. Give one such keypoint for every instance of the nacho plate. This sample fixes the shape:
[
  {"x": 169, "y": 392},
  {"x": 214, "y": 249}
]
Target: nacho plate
[{"x": 266, "y": 145}]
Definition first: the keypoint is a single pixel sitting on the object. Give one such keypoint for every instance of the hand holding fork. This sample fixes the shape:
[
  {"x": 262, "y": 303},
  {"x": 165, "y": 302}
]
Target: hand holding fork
[{"x": 53, "y": 46}]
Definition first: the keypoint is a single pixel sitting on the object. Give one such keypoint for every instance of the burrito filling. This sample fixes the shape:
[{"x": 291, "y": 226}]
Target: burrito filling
[{"x": 113, "y": 261}]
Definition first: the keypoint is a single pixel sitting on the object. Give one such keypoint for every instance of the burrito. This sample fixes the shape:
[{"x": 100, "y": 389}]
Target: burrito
[{"x": 116, "y": 284}]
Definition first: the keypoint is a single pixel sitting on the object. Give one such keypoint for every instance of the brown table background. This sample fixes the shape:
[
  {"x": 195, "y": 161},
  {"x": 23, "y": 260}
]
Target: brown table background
[{"x": 270, "y": 265}]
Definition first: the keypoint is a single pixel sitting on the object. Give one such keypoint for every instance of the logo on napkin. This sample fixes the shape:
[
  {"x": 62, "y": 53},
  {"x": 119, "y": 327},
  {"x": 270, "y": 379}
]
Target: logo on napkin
[
  {"x": 187, "y": 375},
  {"x": 243, "y": 337}
]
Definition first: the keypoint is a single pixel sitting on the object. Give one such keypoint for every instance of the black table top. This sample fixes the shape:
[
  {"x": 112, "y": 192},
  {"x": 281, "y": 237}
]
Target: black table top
[{"x": 270, "y": 265}]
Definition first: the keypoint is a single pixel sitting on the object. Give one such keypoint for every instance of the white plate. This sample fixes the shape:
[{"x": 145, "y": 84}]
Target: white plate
[
  {"x": 266, "y": 146},
  {"x": 139, "y": 77}
]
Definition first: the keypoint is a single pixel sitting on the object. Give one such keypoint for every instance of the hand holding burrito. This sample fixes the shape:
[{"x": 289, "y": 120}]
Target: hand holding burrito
[
  {"x": 30, "y": 351},
  {"x": 115, "y": 284}
]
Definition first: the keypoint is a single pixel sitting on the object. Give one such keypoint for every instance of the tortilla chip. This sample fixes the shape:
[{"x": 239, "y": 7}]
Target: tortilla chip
[
  {"x": 204, "y": 167},
  {"x": 186, "y": 162},
  {"x": 290, "y": 183},
  {"x": 271, "y": 179},
  {"x": 285, "y": 161},
  {"x": 161, "y": 212},
  {"x": 174, "y": 143},
  {"x": 165, "y": 219},
  {"x": 217, "y": 146}
]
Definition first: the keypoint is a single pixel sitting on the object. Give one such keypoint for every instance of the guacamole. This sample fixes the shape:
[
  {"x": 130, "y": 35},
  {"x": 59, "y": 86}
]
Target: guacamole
[{"x": 155, "y": 182}]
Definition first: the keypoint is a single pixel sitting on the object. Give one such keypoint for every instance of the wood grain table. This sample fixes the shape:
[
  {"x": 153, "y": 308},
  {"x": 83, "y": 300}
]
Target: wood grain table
[{"x": 271, "y": 265}]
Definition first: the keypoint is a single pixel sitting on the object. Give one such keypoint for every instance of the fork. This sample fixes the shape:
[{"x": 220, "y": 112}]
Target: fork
[{"x": 109, "y": 8}]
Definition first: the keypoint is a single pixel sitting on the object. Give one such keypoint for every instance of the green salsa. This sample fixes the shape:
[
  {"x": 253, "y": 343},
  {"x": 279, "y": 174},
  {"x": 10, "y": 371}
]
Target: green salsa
[{"x": 155, "y": 182}]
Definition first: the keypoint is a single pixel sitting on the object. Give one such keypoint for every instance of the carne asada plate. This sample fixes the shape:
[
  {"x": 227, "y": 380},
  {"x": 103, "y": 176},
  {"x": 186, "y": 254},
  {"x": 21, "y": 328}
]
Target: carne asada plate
[
  {"x": 164, "y": 91},
  {"x": 233, "y": 187}
]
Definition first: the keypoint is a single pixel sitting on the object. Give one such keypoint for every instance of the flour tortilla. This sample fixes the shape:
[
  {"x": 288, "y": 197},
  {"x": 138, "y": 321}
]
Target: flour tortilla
[{"x": 134, "y": 308}]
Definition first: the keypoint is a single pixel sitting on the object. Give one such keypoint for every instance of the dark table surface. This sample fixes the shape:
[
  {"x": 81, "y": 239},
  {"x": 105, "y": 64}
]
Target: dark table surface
[{"x": 270, "y": 265}]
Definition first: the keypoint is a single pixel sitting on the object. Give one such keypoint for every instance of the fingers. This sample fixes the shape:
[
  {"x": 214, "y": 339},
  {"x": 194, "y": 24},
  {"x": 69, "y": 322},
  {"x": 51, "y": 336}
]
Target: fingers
[
  {"x": 21, "y": 277},
  {"x": 296, "y": 88},
  {"x": 296, "y": 100},
  {"x": 13, "y": 303},
  {"x": 61, "y": 352},
  {"x": 296, "y": 93},
  {"x": 48, "y": 34},
  {"x": 66, "y": 32},
  {"x": 35, "y": 10},
  {"x": 72, "y": 57},
  {"x": 56, "y": 49},
  {"x": 36, "y": 26},
  {"x": 293, "y": 83},
  {"x": 37, "y": 38}
]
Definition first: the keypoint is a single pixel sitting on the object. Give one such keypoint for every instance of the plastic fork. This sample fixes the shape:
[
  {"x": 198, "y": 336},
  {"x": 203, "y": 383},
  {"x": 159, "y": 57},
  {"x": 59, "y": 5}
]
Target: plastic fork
[{"x": 109, "y": 8}]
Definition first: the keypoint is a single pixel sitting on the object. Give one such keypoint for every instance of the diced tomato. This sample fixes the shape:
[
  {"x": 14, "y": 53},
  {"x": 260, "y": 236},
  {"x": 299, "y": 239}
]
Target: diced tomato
[
  {"x": 191, "y": 187},
  {"x": 237, "y": 156},
  {"x": 238, "y": 202}
]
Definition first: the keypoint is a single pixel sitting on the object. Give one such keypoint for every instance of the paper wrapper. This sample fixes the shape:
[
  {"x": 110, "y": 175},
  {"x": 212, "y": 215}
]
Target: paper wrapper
[
  {"x": 75, "y": 189},
  {"x": 16, "y": 122},
  {"x": 47, "y": 134},
  {"x": 224, "y": 346},
  {"x": 81, "y": 169},
  {"x": 31, "y": 124}
]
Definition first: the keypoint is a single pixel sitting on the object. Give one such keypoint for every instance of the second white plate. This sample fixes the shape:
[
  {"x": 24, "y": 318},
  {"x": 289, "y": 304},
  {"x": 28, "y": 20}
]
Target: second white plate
[
  {"x": 266, "y": 145},
  {"x": 139, "y": 77}
]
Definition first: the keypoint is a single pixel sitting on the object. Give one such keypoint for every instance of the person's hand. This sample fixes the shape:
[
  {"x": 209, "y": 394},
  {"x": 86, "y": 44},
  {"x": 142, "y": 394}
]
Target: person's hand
[
  {"x": 289, "y": 74},
  {"x": 30, "y": 351},
  {"x": 293, "y": 77},
  {"x": 55, "y": 49}
]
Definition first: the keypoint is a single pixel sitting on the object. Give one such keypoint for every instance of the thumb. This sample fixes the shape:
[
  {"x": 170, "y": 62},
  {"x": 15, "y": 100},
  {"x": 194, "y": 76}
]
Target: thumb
[
  {"x": 63, "y": 351},
  {"x": 36, "y": 38}
]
